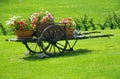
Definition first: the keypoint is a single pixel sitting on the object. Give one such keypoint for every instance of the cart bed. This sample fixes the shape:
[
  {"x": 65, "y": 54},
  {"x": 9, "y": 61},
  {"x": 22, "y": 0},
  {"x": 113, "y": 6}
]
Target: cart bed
[{"x": 22, "y": 39}]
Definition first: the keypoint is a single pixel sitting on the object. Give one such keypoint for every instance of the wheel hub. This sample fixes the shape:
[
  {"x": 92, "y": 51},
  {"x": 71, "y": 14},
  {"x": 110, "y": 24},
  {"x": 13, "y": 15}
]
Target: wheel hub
[{"x": 53, "y": 41}]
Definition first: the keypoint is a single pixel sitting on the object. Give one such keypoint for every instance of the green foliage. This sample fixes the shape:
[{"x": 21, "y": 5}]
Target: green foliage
[
  {"x": 112, "y": 21},
  {"x": 2, "y": 29},
  {"x": 59, "y": 8},
  {"x": 84, "y": 23},
  {"x": 116, "y": 18}
]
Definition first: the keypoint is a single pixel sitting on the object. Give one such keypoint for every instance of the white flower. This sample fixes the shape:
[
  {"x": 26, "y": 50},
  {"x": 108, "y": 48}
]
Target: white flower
[
  {"x": 15, "y": 17},
  {"x": 73, "y": 23},
  {"x": 9, "y": 22}
]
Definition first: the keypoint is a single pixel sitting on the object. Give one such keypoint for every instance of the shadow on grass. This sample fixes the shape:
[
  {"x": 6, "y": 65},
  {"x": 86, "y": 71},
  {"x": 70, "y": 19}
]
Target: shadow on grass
[
  {"x": 77, "y": 52},
  {"x": 66, "y": 54},
  {"x": 34, "y": 58}
]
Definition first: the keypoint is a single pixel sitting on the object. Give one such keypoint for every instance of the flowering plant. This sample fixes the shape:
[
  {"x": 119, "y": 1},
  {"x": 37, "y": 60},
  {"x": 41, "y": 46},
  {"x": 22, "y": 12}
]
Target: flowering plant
[
  {"x": 41, "y": 17},
  {"x": 68, "y": 22},
  {"x": 18, "y": 23}
]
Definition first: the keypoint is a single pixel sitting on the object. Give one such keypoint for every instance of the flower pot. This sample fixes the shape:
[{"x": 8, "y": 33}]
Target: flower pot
[
  {"x": 69, "y": 33},
  {"x": 24, "y": 33}
]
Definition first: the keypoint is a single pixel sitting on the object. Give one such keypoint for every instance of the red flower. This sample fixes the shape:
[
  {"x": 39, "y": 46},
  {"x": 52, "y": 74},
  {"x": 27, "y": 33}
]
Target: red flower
[
  {"x": 21, "y": 27},
  {"x": 15, "y": 22},
  {"x": 33, "y": 24},
  {"x": 43, "y": 20},
  {"x": 21, "y": 23}
]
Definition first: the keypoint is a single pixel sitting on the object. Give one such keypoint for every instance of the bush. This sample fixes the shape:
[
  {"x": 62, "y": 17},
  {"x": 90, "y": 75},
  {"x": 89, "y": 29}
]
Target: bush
[
  {"x": 84, "y": 23},
  {"x": 2, "y": 29},
  {"x": 112, "y": 21}
]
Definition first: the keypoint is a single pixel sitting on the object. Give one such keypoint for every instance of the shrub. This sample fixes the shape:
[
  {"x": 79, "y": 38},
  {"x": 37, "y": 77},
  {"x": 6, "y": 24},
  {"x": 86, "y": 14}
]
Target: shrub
[{"x": 83, "y": 23}]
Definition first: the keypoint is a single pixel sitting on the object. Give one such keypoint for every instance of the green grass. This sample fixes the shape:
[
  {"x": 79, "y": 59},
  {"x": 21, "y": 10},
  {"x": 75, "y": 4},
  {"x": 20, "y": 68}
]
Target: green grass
[
  {"x": 59, "y": 8},
  {"x": 91, "y": 59}
]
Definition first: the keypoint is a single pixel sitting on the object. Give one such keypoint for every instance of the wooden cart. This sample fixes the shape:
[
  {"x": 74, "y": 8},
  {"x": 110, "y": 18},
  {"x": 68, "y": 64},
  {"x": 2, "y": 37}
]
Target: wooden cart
[{"x": 54, "y": 40}]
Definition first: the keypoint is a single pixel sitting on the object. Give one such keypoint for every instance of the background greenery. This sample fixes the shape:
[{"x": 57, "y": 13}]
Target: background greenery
[
  {"x": 59, "y": 8},
  {"x": 91, "y": 58}
]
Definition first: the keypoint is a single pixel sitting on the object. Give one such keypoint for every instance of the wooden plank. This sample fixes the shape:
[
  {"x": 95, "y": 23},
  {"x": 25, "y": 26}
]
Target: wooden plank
[
  {"x": 96, "y": 36},
  {"x": 22, "y": 40}
]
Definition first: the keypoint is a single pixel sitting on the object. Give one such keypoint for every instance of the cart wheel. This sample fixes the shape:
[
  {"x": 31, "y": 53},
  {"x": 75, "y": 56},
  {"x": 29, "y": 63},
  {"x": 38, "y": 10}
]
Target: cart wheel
[
  {"x": 33, "y": 47},
  {"x": 53, "y": 40}
]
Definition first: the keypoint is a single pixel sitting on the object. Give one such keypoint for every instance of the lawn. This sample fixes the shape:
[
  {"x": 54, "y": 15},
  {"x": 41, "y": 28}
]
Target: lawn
[
  {"x": 59, "y": 8},
  {"x": 91, "y": 59}
]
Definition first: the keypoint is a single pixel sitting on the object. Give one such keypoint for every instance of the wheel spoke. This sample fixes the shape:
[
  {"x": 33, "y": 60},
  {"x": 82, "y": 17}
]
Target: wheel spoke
[
  {"x": 60, "y": 36},
  {"x": 60, "y": 44},
  {"x": 54, "y": 49},
  {"x": 49, "y": 34},
  {"x": 40, "y": 49},
  {"x": 32, "y": 45},
  {"x": 43, "y": 46},
  {"x": 50, "y": 48},
  {"x": 53, "y": 31},
  {"x": 35, "y": 47},
  {"x": 58, "y": 48},
  {"x": 47, "y": 46},
  {"x": 52, "y": 40}
]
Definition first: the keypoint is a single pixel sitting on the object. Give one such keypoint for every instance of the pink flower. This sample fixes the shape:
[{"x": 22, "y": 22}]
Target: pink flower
[
  {"x": 42, "y": 17},
  {"x": 50, "y": 16},
  {"x": 68, "y": 22}
]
